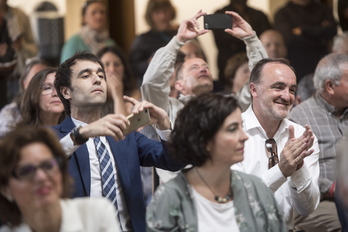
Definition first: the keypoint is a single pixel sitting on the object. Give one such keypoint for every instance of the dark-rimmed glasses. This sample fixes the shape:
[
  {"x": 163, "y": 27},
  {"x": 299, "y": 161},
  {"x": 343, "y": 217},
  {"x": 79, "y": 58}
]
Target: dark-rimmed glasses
[
  {"x": 271, "y": 147},
  {"x": 27, "y": 172}
]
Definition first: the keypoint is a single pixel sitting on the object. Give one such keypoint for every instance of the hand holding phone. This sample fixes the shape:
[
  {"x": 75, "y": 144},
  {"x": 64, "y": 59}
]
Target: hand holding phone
[
  {"x": 217, "y": 21},
  {"x": 137, "y": 120}
]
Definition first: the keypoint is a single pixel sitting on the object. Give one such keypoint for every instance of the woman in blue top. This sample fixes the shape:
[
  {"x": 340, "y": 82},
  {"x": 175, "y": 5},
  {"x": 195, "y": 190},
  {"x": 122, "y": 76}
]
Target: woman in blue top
[{"x": 93, "y": 35}]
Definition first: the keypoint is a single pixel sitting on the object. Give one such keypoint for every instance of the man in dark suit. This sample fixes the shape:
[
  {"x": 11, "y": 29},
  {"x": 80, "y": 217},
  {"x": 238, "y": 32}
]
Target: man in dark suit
[{"x": 114, "y": 171}]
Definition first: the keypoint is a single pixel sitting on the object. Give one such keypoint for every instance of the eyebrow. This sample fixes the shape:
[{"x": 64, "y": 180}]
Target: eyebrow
[
  {"x": 233, "y": 124},
  {"x": 283, "y": 84},
  {"x": 89, "y": 71}
]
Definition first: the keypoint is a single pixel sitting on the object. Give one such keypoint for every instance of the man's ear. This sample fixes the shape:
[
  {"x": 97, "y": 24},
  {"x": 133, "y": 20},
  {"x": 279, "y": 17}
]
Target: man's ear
[
  {"x": 179, "y": 85},
  {"x": 66, "y": 92},
  {"x": 329, "y": 87},
  {"x": 252, "y": 88}
]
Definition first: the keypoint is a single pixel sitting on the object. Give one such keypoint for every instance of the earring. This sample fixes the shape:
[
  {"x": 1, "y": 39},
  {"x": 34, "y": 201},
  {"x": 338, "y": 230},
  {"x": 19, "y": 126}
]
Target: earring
[{"x": 9, "y": 198}]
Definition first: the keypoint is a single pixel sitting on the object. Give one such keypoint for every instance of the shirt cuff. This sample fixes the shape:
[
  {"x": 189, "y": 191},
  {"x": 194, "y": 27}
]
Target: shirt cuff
[
  {"x": 274, "y": 178},
  {"x": 300, "y": 179},
  {"x": 174, "y": 45},
  {"x": 251, "y": 40},
  {"x": 68, "y": 145}
]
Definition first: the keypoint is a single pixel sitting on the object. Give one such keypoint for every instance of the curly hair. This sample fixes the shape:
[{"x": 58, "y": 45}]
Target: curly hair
[
  {"x": 10, "y": 149},
  {"x": 196, "y": 125}
]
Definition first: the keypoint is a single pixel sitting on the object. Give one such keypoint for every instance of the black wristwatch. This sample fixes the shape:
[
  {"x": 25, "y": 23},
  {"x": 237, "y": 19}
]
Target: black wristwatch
[{"x": 77, "y": 137}]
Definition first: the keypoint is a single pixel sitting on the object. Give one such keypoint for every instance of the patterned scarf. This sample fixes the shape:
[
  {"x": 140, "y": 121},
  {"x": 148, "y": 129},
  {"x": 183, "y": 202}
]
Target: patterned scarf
[{"x": 93, "y": 39}]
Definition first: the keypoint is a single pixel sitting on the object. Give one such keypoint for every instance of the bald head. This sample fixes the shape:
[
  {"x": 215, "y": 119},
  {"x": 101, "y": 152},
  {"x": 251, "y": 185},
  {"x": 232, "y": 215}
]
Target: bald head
[{"x": 274, "y": 43}]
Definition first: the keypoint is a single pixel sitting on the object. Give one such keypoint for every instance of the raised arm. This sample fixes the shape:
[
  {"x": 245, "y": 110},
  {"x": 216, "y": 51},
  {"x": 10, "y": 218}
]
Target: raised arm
[
  {"x": 241, "y": 29},
  {"x": 155, "y": 87}
]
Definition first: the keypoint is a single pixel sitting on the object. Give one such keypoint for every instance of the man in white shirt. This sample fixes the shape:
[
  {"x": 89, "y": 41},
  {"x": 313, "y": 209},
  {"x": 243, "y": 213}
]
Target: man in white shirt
[
  {"x": 294, "y": 180},
  {"x": 102, "y": 160}
]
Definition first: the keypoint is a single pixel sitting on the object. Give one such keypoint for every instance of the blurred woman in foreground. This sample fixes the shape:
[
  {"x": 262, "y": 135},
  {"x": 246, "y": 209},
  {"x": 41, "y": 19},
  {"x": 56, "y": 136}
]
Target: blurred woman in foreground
[
  {"x": 208, "y": 134},
  {"x": 34, "y": 185}
]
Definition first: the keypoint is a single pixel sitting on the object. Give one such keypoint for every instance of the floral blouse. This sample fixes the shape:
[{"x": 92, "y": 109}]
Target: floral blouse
[{"x": 173, "y": 209}]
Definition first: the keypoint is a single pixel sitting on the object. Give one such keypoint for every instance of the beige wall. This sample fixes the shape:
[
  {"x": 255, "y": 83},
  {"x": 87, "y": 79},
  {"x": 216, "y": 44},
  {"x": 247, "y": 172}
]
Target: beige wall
[
  {"x": 186, "y": 10},
  {"x": 73, "y": 15}
]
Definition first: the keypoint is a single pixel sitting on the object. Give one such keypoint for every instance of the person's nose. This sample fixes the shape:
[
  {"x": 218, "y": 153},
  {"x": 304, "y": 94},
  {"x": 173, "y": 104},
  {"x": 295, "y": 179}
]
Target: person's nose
[
  {"x": 286, "y": 95},
  {"x": 54, "y": 92},
  {"x": 204, "y": 69},
  {"x": 40, "y": 175},
  {"x": 96, "y": 79},
  {"x": 112, "y": 68},
  {"x": 244, "y": 136}
]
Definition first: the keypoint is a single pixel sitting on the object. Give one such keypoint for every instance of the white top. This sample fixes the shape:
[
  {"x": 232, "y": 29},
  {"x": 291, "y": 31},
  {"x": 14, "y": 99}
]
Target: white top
[
  {"x": 96, "y": 183},
  {"x": 82, "y": 215},
  {"x": 212, "y": 216},
  {"x": 300, "y": 191}
]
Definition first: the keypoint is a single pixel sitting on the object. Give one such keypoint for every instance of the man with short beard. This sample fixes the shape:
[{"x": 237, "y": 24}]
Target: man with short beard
[{"x": 282, "y": 153}]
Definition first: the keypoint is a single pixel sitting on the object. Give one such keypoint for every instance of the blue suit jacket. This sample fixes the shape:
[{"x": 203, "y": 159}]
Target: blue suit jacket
[{"x": 135, "y": 150}]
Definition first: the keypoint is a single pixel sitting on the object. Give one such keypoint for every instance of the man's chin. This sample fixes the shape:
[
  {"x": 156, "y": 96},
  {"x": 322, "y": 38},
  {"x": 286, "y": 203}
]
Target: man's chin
[{"x": 203, "y": 89}]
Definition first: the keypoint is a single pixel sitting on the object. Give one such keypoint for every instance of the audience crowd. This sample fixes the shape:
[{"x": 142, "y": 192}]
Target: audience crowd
[{"x": 260, "y": 147}]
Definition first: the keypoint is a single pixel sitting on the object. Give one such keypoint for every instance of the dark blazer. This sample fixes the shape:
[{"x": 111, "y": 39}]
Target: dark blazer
[{"x": 135, "y": 150}]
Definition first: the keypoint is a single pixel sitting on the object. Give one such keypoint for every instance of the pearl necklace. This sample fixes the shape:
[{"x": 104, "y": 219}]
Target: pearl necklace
[{"x": 217, "y": 198}]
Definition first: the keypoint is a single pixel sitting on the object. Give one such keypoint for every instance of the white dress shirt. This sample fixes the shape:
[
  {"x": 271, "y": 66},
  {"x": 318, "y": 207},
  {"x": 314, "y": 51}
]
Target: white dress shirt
[{"x": 298, "y": 192}]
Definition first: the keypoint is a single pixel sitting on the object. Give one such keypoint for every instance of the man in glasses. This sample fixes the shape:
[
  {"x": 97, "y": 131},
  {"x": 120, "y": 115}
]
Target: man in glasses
[
  {"x": 283, "y": 154},
  {"x": 326, "y": 113}
]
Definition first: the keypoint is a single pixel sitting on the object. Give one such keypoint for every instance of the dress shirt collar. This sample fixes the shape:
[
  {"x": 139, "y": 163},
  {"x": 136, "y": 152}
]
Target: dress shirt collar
[
  {"x": 78, "y": 122},
  {"x": 329, "y": 108}
]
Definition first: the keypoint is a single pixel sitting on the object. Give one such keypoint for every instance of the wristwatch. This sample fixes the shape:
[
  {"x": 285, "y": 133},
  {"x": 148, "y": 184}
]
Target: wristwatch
[{"x": 77, "y": 137}]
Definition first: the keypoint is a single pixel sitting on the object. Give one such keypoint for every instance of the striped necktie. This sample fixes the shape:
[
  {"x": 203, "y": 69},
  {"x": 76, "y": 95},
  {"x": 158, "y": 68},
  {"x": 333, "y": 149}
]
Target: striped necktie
[{"x": 107, "y": 171}]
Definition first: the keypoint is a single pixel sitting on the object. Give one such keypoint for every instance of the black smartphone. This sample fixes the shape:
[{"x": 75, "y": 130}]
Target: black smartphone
[
  {"x": 217, "y": 21},
  {"x": 137, "y": 120}
]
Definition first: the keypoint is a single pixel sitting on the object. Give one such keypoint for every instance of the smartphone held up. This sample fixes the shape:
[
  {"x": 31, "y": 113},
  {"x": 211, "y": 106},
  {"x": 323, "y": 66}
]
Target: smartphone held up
[
  {"x": 137, "y": 120},
  {"x": 217, "y": 21}
]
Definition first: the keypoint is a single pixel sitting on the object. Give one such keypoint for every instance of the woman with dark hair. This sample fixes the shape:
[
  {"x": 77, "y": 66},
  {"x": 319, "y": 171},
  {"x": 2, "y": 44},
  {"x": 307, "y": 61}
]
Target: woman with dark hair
[
  {"x": 10, "y": 115},
  {"x": 208, "y": 135},
  {"x": 120, "y": 80},
  {"x": 41, "y": 104},
  {"x": 35, "y": 185},
  {"x": 159, "y": 16},
  {"x": 93, "y": 35}
]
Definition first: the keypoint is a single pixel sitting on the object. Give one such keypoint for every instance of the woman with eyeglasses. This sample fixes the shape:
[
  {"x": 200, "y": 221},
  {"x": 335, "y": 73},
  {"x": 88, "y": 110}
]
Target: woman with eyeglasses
[
  {"x": 208, "y": 135},
  {"x": 41, "y": 105},
  {"x": 35, "y": 185}
]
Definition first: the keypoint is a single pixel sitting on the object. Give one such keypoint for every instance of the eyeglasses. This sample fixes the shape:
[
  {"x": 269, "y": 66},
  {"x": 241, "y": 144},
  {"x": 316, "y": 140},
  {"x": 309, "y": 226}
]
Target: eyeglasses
[
  {"x": 47, "y": 89},
  {"x": 27, "y": 172},
  {"x": 271, "y": 147}
]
